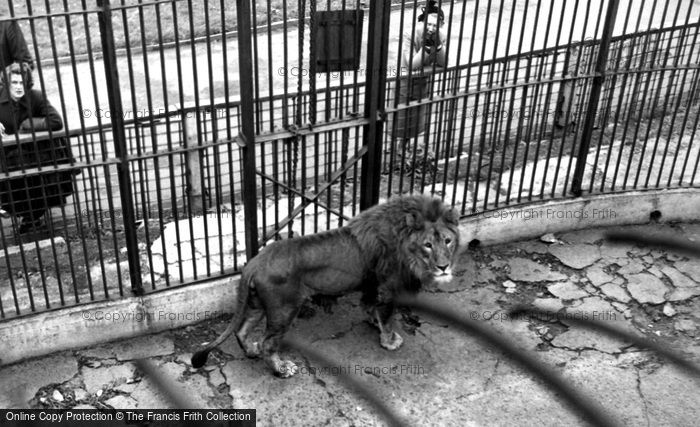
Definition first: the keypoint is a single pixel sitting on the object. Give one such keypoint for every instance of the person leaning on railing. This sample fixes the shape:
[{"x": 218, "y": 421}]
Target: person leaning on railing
[
  {"x": 28, "y": 111},
  {"x": 423, "y": 52}
]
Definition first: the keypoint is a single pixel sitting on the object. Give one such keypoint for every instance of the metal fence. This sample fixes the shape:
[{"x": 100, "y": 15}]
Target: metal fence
[{"x": 197, "y": 142}]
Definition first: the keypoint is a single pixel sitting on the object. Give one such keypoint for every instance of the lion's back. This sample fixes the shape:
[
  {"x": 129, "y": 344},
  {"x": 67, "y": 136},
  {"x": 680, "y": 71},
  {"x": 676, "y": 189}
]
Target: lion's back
[{"x": 329, "y": 259}]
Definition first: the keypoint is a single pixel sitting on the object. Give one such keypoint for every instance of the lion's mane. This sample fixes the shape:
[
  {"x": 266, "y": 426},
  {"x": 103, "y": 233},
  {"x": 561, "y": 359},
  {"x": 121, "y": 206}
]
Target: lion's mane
[{"x": 385, "y": 232}]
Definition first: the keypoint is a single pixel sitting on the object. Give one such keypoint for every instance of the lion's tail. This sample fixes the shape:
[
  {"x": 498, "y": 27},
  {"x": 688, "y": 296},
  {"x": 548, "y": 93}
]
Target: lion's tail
[{"x": 200, "y": 357}]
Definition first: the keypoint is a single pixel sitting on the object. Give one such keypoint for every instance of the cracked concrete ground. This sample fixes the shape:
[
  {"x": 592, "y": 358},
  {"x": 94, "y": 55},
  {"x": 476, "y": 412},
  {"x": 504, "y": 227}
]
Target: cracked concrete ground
[{"x": 439, "y": 376}]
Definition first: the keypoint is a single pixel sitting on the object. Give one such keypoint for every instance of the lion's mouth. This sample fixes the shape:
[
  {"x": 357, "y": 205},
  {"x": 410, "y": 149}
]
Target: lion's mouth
[{"x": 442, "y": 276}]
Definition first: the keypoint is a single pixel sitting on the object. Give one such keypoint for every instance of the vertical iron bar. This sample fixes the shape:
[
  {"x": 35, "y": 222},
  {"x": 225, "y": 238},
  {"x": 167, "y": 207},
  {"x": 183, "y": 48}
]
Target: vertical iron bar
[
  {"x": 598, "y": 81},
  {"x": 191, "y": 210},
  {"x": 173, "y": 182},
  {"x": 603, "y": 115},
  {"x": 412, "y": 142},
  {"x": 666, "y": 100},
  {"x": 169, "y": 179},
  {"x": 641, "y": 80},
  {"x": 509, "y": 110},
  {"x": 230, "y": 111},
  {"x": 303, "y": 178},
  {"x": 259, "y": 107},
  {"x": 2, "y": 233},
  {"x": 494, "y": 138},
  {"x": 697, "y": 159},
  {"x": 286, "y": 117},
  {"x": 317, "y": 177},
  {"x": 688, "y": 110},
  {"x": 270, "y": 78},
  {"x": 69, "y": 249},
  {"x": 27, "y": 195},
  {"x": 511, "y": 106},
  {"x": 135, "y": 133},
  {"x": 396, "y": 86},
  {"x": 631, "y": 102},
  {"x": 313, "y": 101},
  {"x": 572, "y": 72},
  {"x": 377, "y": 52},
  {"x": 624, "y": 51},
  {"x": 245, "y": 70},
  {"x": 258, "y": 116},
  {"x": 154, "y": 144},
  {"x": 139, "y": 133},
  {"x": 474, "y": 108},
  {"x": 209, "y": 196},
  {"x": 545, "y": 119},
  {"x": 115, "y": 104},
  {"x": 531, "y": 69},
  {"x": 102, "y": 155},
  {"x": 656, "y": 87}
]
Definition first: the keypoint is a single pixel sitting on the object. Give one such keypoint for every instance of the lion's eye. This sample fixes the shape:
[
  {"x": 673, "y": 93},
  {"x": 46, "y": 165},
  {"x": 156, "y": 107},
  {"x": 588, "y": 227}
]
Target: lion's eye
[
  {"x": 428, "y": 245},
  {"x": 448, "y": 241}
]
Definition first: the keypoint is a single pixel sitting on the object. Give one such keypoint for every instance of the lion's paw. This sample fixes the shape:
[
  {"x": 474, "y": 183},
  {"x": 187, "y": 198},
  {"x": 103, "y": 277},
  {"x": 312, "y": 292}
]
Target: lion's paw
[
  {"x": 253, "y": 350},
  {"x": 286, "y": 369},
  {"x": 392, "y": 343}
]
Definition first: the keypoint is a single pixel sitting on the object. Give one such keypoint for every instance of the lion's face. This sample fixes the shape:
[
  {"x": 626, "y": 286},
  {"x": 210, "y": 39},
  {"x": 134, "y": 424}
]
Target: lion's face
[{"x": 431, "y": 251}]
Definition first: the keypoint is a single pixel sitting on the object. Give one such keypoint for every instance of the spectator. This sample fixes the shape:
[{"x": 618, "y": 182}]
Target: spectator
[
  {"x": 22, "y": 110},
  {"x": 13, "y": 47},
  {"x": 426, "y": 47},
  {"x": 424, "y": 51}
]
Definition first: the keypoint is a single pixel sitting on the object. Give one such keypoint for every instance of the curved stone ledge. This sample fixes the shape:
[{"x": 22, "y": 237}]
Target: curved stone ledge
[
  {"x": 535, "y": 219},
  {"x": 104, "y": 321}
]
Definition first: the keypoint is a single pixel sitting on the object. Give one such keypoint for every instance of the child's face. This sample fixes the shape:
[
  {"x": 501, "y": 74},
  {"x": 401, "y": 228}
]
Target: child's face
[
  {"x": 16, "y": 86},
  {"x": 432, "y": 23}
]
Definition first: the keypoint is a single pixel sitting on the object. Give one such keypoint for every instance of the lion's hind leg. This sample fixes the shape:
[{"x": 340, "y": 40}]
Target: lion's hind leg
[
  {"x": 250, "y": 347},
  {"x": 254, "y": 314},
  {"x": 277, "y": 325}
]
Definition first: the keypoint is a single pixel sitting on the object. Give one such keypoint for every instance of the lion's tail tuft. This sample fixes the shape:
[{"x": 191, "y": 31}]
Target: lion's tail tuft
[{"x": 200, "y": 358}]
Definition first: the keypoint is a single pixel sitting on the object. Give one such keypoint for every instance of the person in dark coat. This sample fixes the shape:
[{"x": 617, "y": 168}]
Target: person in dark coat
[
  {"x": 28, "y": 111},
  {"x": 13, "y": 47}
]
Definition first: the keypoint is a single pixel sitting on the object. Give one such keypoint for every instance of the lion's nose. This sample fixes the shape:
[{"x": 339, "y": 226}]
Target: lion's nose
[{"x": 443, "y": 268}]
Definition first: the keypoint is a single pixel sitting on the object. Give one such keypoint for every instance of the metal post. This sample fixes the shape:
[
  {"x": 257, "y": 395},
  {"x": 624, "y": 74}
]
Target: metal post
[
  {"x": 598, "y": 80},
  {"x": 193, "y": 164},
  {"x": 247, "y": 135},
  {"x": 120, "y": 147},
  {"x": 377, "y": 53}
]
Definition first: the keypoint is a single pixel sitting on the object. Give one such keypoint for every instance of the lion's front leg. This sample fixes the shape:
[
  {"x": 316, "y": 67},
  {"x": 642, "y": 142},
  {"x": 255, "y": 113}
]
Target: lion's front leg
[
  {"x": 383, "y": 316},
  {"x": 283, "y": 368}
]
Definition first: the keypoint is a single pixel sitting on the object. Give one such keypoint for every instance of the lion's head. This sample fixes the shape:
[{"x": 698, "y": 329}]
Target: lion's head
[
  {"x": 432, "y": 242},
  {"x": 417, "y": 233}
]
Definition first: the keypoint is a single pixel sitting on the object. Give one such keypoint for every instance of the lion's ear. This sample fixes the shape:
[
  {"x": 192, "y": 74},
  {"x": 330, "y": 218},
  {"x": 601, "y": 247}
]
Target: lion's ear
[
  {"x": 451, "y": 217},
  {"x": 414, "y": 220}
]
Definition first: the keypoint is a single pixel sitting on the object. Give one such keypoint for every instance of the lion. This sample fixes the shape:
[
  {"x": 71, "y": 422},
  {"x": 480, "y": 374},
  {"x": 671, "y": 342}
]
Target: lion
[{"x": 391, "y": 248}]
